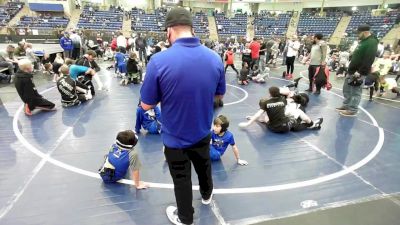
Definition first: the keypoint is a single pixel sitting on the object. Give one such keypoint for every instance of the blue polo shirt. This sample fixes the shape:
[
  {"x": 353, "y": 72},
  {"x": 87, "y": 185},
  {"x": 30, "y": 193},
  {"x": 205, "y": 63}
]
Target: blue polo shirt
[
  {"x": 185, "y": 79},
  {"x": 76, "y": 70}
]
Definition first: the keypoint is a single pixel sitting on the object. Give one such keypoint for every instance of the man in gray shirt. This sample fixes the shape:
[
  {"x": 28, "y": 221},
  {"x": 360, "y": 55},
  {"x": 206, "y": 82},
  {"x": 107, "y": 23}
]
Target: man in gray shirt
[
  {"x": 317, "y": 58},
  {"x": 7, "y": 59}
]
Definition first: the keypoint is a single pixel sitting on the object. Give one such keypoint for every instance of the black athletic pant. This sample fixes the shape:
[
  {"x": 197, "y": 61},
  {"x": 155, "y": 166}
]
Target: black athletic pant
[
  {"x": 292, "y": 125},
  {"x": 233, "y": 67},
  {"x": 179, "y": 162},
  {"x": 40, "y": 102},
  {"x": 76, "y": 52},
  {"x": 311, "y": 73},
  {"x": 290, "y": 64}
]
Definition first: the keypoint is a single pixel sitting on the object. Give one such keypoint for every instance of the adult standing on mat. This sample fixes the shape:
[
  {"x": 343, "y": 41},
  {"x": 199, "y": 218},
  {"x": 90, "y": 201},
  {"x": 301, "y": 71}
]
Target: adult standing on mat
[
  {"x": 185, "y": 79},
  {"x": 360, "y": 66},
  {"x": 317, "y": 58},
  {"x": 293, "y": 48}
]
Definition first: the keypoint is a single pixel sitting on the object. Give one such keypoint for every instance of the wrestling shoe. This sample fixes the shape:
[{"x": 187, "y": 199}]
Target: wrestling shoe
[{"x": 317, "y": 124}]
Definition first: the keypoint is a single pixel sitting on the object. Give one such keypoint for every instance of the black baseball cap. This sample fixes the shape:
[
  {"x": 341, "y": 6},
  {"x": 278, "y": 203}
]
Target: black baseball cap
[
  {"x": 364, "y": 27},
  {"x": 178, "y": 16}
]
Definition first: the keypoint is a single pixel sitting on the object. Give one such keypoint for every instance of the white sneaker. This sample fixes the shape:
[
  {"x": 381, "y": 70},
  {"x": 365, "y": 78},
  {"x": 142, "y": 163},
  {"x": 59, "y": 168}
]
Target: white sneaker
[
  {"x": 208, "y": 201},
  {"x": 172, "y": 214}
]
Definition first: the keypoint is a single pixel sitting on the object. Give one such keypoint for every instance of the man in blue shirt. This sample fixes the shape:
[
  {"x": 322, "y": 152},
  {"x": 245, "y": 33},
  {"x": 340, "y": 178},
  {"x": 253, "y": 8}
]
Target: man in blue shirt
[{"x": 185, "y": 79}]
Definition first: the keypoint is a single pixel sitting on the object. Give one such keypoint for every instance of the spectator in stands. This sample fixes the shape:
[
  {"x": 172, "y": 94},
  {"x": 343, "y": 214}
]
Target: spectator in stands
[
  {"x": 20, "y": 49},
  {"x": 77, "y": 44},
  {"x": 317, "y": 58},
  {"x": 141, "y": 47},
  {"x": 255, "y": 52},
  {"x": 8, "y": 60},
  {"x": 27, "y": 91},
  {"x": 66, "y": 44},
  {"x": 360, "y": 66},
  {"x": 121, "y": 43}
]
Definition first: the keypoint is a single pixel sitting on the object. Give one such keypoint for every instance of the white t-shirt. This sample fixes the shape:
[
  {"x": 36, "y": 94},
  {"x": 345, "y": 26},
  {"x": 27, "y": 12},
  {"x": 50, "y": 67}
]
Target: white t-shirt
[
  {"x": 293, "y": 48},
  {"x": 121, "y": 41}
]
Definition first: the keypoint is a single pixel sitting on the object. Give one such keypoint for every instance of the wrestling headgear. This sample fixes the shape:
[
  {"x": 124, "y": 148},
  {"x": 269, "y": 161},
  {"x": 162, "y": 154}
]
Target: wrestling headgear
[
  {"x": 223, "y": 121},
  {"x": 127, "y": 139}
]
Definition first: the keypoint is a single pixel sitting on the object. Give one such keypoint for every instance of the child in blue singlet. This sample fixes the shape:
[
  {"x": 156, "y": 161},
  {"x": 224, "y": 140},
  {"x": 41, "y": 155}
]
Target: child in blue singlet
[{"x": 221, "y": 138}]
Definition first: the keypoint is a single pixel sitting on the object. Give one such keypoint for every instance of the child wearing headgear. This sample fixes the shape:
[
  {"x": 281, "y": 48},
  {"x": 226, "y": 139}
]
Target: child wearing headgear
[
  {"x": 132, "y": 67},
  {"x": 221, "y": 138},
  {"x": 122, "y": 160},
  {"x": 150, "y": 120},
  {"x": 244, "y": 73}
]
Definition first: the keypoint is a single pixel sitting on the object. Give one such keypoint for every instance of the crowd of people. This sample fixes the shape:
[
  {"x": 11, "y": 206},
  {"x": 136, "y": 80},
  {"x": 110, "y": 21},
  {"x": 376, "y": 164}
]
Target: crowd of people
[{"x": 283, "y": 110}]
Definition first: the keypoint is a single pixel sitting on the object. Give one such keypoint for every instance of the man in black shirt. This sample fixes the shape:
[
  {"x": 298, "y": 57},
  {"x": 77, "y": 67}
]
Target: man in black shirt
[
  {"x": 72, "y": 92},
  {"x": 285, "y": 115}
]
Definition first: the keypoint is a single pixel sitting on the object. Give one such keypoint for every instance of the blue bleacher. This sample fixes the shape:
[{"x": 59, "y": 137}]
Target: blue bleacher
[
  {"x": 8, "y": 11},
  {"x": 377, "y": 24},
  {"x": 266, "y": 24},
  {"x": 310, "y": 24},
  {"x": 154, "y": 22},
  {"x": 42, "y": 23},
  {"x": 100, "y": 20},
  {"x": 236, "y": 26}
]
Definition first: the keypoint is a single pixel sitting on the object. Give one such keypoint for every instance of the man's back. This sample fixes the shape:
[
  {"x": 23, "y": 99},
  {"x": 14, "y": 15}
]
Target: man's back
[{"x": 185, "y": 79}]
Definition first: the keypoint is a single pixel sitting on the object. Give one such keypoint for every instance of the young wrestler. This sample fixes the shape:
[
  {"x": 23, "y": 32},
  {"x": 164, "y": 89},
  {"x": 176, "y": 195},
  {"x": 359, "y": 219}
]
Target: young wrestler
[
  {"x": 88, "y": 60},
  {"x": 221, "y": 138},
  {"x": 120, "y": 62},
  {"x": 229, "y": 60},
  {"x": 122, "y": 160},
  {"x": 388, "y": 87},
  {"x": 27, "y": 91},
  {"x": 72, "y": 92},
  {"x": 81, "y": 73},
  {"x": 150, "y": 120},
  {"x": 132, "y": 68},
  {"x": 244, "y": 73},
  {"x": 282, "y": 114},
  {"x": 258, "y": 76}
]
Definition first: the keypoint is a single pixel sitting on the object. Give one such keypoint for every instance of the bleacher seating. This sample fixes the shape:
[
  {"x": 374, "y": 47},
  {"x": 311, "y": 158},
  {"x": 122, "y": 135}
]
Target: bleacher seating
[
  {"x": 227, "y": 27},
  {"x": 93, "y": 19},
  {"x": 268, "y": 24},
  {"x": 310, "y": 23},
  {"x": 380, "y": 25},
  {"x": 43, "y": 23},
  {"x": 153, "y": 22},
  {"x": 8, "y": 11},
  {"x": 200, "y": 23}
]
